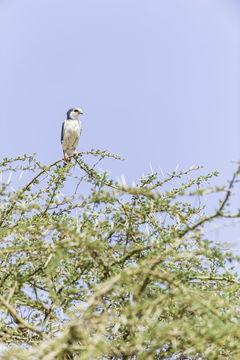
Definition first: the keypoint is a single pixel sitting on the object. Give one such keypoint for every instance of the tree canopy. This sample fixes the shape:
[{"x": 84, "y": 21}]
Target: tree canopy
[{"x": 92, "y": 268}]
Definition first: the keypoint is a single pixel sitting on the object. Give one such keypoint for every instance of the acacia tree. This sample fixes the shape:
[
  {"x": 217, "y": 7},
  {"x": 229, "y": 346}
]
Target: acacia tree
[{"x": 110, "y": 271}]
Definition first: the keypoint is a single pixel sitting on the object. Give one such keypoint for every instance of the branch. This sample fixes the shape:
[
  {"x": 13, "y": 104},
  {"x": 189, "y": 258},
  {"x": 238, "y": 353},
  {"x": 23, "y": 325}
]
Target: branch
[
  {"x": 17, "y": 318},
  {"x": 218, "y": 212},
  {"x": 8, "y": 211},
  {"x": 214, "y": 278},
  {"x": 89, "y": 172}
]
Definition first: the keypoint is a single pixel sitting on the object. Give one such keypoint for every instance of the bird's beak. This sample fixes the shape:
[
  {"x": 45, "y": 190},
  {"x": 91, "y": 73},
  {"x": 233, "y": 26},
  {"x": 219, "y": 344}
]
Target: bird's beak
[{"x": 80, "y": 111}]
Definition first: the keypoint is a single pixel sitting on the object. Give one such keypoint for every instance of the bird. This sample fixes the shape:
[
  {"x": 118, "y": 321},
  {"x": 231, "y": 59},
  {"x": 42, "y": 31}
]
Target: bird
[{"x": 70, "y": 134}]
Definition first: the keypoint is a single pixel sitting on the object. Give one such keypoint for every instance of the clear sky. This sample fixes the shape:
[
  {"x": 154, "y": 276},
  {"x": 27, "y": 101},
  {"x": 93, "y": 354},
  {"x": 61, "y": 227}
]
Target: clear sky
[{"x": 158, "y": 80}]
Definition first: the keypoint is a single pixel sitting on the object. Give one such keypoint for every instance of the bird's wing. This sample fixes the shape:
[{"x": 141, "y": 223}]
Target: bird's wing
[
  {"x": 80, "y": 127},
  {"x": 62, "y": 131}
]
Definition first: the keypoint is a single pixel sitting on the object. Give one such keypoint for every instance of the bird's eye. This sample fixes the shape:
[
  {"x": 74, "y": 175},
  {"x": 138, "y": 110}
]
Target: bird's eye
[{"x": 75, "y": 110}]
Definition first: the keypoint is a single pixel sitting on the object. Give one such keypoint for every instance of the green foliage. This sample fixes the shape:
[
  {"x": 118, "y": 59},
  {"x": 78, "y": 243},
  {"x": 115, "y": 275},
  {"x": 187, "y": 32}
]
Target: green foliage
[{"x": 94, "y": 269}]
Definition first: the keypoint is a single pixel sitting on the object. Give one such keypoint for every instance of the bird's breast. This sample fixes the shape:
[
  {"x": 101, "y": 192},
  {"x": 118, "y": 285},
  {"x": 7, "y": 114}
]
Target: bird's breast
[
  {"x": 71, "y": 133},
  {"x": 72, "y": 127}
]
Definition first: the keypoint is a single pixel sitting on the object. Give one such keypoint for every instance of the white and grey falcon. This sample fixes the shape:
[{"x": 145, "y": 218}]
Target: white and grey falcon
[{"x": 71, "y": 131}]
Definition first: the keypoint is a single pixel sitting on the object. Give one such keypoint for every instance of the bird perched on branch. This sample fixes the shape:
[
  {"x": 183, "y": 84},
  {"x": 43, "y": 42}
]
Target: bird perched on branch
[{"x": 71, "y": 131}]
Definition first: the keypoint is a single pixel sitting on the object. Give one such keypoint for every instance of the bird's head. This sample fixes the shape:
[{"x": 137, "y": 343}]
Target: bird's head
[{"x": 74, "y": 113}]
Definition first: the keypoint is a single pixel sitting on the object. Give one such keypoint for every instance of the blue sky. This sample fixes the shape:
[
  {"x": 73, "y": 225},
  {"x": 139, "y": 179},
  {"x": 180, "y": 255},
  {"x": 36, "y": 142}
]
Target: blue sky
[{"x": 159, "y": 81}]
